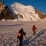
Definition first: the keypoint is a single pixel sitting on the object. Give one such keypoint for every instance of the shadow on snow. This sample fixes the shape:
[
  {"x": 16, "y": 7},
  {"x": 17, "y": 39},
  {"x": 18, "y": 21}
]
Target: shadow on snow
[{"x": 27, "y": 41}]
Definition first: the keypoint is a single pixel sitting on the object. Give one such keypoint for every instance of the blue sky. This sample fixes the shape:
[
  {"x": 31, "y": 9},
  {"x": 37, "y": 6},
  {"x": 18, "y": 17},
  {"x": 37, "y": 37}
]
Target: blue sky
[{"x": 37, "y": 4}]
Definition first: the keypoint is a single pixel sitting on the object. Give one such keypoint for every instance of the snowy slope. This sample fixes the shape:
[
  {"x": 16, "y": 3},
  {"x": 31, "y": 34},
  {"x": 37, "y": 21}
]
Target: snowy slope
[
  {"x": 9, "y": 30},
  {"x": 28, "y": 12}
]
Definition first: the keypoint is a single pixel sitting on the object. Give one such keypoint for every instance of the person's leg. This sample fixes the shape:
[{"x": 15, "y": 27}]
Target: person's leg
[
  {"x": 34, "y": 33},
  {"x": 20, "y": 44}
]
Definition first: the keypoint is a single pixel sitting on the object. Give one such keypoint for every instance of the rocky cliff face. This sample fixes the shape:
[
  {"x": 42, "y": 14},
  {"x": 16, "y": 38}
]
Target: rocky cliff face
[
  {"x": 5, "y": 12},
  {"x": 41, "y": 15}
]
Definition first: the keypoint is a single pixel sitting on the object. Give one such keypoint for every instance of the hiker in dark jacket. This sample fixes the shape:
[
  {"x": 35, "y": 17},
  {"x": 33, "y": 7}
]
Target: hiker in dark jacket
[
  {"x": 20, "y": 36},
  {"x": 33, "y": 29}
]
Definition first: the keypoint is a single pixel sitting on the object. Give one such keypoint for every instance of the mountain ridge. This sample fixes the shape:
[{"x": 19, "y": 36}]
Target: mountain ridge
[
  {"x": 5, "y": 12},
  {"x": 22, "y": 12}
]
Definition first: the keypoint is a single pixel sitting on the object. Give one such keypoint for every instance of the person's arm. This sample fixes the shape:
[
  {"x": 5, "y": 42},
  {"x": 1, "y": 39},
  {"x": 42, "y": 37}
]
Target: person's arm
[
  {"x": 24, "y": 33},
  {"x": 35, "y": 28}
]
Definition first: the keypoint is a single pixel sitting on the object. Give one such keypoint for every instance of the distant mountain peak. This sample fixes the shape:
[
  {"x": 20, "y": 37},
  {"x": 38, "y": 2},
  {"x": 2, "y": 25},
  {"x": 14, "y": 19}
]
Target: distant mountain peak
[
  {"x": 28, "y": 12},
  {"x": 28, "y": 7}
]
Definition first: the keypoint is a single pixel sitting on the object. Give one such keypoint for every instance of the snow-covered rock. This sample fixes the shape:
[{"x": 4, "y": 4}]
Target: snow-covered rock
[{"x": 28, "y": 12}]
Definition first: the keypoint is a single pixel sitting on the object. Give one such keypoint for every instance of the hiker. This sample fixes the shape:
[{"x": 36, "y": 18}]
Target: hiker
[
  {"x": 33, "y": 29},
  {"x": 20, "y": 36}
]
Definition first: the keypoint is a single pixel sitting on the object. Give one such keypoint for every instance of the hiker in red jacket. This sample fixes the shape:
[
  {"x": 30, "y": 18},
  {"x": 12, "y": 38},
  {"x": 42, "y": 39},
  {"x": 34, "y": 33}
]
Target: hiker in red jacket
[
  {"x": 20, "y": 36},
  {"x": 33, "y": 29}
]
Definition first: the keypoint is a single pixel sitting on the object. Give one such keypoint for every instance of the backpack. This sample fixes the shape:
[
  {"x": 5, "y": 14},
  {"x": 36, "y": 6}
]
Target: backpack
[
  {"x": 19, "y": 34},
  {"x": 33, "y": 28}
]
